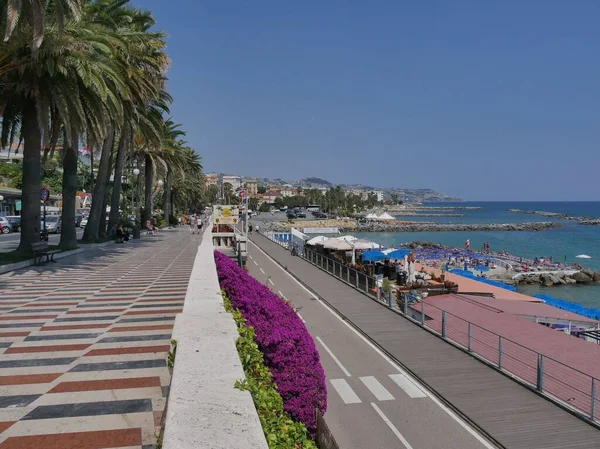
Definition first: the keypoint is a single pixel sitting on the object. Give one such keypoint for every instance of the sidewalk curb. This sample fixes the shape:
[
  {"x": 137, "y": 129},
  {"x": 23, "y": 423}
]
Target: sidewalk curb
[{"x": 27, "y": 263}]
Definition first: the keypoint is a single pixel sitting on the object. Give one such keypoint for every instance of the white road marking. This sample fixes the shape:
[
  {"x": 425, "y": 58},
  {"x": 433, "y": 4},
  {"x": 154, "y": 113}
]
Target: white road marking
[
  {"x": 392, "y": 426},
  {"x": 335, "y": 359},
  {"x": 345, "y": 391},
  {"x": 450, "y": 413},
  {"x": 255, "y": 263},
  {"x": 408, "y": 386},
  {"x": 280, "y": 294},
  {"x": 262, "y": 271},
  {"x": 377, "y": 389},
  {"x": 303, "y": 320},
  {"x": 270, "y": 281}
]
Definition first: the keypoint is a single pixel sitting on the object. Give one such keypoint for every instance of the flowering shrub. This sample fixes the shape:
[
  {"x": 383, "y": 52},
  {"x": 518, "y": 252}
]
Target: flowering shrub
[
  {"x": 280, "y": 430},
  {"x": 289, "y": 350}
]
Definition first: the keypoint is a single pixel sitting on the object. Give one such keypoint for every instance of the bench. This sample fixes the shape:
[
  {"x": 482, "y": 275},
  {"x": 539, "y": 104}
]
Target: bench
[{"x": 40, "y": 250}]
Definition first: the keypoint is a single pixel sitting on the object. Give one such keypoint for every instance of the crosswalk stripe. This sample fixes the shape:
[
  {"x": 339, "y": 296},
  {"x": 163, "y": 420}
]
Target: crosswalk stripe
[
  {"x": 409, "y": 388},
  {"x": 345, "y": 391},
  {"x": 378, "y": 390}
]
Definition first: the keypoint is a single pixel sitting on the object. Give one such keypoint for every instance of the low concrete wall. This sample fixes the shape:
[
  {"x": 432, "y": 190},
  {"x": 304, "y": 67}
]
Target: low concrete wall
[{"x": 204, "y": 409}]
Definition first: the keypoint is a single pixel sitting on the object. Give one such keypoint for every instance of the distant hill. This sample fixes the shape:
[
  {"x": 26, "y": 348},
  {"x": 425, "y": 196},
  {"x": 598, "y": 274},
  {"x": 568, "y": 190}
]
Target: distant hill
[{"x": 313, "y": 180}]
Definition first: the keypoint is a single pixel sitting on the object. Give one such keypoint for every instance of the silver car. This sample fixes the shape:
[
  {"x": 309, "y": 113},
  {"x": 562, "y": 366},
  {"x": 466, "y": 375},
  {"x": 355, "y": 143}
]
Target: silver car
[{"x": 53, "y": 224}]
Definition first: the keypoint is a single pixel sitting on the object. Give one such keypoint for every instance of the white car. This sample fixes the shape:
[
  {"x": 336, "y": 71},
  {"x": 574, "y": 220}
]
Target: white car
[
  {"x": 4, "y": 225},
  {"x": 84, "y": 221}
]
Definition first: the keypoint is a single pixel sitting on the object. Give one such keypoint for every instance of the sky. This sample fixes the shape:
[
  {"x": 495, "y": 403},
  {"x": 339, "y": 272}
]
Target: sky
[{"x": 477, "y": 99}]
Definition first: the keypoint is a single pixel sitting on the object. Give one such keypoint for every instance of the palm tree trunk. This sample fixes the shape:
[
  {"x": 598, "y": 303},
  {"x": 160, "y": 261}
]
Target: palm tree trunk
[
  {"x": 167, "y": 196},
  {"x": 103, "y": 221},
  {"x": 30, "y": 206},
  {"x": 120, "y": 164},
  {"x": 90, "y": 234},
  {"x": 68, "y": 234},
  {"x": 149, "y": 180}
]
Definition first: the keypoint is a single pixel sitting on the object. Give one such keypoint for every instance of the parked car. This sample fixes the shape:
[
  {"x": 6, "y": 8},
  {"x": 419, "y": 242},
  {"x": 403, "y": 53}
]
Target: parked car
[
  {"x": 84, "y": 221},
  {"x": 291, "y": 215},
  {"x": 4, "y": 225},
  {"x": 300, "y": 215},
  {"x": 53, "y": 224},
  {"x": 15, "y": 223},
  {"x": 78, "y": 219}
]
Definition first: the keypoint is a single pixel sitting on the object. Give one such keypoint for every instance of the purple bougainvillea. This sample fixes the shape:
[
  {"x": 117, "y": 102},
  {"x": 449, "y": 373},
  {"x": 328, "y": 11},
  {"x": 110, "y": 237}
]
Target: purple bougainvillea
[{"x": 288, "y": 348}]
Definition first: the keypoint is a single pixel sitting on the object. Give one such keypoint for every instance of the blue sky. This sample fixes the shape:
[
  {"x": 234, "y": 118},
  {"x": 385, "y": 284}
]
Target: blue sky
[{"x": 478, "y": 99}]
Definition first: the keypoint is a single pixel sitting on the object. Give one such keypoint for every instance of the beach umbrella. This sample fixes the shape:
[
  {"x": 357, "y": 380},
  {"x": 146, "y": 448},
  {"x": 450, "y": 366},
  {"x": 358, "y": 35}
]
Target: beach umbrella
[
  {"x": 373, "y": 255},
  {"x": 364, "y": 244},
  {"x": 583, "y": 256},
  {"x": 338, "y": 244},
  {"x": 318, "y": 240},
  {"x": 347, "y": 238},
  {"x": 398, "y": 254}
]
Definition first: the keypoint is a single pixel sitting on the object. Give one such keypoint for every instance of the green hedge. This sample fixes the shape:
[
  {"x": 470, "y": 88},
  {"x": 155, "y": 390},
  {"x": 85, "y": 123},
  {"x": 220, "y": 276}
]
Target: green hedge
[{"x": 280, "y": 430}]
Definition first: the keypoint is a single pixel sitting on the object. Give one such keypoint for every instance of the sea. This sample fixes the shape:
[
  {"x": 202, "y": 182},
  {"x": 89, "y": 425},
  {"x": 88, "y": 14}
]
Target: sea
[{"x": 562, "y": 243}]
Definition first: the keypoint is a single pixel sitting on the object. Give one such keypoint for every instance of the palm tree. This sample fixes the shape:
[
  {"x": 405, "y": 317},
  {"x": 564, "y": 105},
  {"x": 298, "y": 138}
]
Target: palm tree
[
  {"x": 74, "y": 79},
  {"x": 144, "y": 64},
  {"x": 33, "y": 13}
]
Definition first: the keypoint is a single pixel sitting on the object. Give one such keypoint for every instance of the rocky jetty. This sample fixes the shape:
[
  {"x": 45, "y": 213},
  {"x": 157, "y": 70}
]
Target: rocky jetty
[
  {"x": 442, "y": 227},
  {"x": 542, "y": 213},
  {"x": 553, "y": 278},
  {"x": 591, "y": 222}
]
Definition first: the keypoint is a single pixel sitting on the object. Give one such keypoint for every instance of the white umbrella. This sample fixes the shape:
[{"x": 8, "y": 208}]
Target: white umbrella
[
  {"x": 583, "y": 256},
  {"x": 365, "y": 244},
  {"x": 371, "y": 217},
  {"x": 348, "y": 238},
  {"x": 385, "y": 216},
  {"x": 338, "y": 244},
  {"x": 318, "y": 240}
]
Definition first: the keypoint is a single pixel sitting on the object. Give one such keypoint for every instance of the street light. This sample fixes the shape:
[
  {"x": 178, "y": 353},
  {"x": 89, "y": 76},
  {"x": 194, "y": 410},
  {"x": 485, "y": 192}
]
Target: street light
[{"x": 136, "y": 229}]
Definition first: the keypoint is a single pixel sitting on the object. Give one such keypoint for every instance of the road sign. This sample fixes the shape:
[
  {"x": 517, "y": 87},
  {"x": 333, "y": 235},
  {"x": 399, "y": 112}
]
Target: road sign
[{"x": 44, "y": 194}]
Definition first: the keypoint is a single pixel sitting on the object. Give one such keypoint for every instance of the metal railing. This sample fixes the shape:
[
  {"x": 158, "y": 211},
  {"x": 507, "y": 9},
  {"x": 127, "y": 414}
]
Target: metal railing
[{"x": 557, "y": 381}]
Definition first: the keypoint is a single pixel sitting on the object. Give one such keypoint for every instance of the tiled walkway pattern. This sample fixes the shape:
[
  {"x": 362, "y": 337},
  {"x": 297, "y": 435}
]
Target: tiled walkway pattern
[{"x": 85, "y": 344}]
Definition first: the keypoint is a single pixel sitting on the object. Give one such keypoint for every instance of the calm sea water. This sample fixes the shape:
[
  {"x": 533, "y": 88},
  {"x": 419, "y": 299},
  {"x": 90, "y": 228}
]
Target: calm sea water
[{"x": 561, "y": 243}]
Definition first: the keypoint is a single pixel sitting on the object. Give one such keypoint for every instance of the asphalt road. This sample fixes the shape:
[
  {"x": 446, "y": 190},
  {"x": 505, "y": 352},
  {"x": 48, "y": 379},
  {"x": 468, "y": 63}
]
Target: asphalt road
[
  {"x": 9, "y": 242},
  {"x": 373, "y": 403}
]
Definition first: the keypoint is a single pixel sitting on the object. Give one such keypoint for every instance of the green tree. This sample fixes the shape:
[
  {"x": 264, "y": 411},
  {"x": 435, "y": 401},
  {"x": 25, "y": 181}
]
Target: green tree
[
  {"x": 253, "y": 203},
  {"x": 261, "y": 190},
  {"x": 264, "y": 207}
]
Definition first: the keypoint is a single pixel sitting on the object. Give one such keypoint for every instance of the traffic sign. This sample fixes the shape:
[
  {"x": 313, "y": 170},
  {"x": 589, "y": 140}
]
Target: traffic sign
[{"x": 44, "y": 194}]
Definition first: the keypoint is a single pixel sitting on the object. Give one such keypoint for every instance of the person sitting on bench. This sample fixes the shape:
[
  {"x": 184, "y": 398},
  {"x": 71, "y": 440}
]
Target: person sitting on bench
[{"x": 121, "y": 235}]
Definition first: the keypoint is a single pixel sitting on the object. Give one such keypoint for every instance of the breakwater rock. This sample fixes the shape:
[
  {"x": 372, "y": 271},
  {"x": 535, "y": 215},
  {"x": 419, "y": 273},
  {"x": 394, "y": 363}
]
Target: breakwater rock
[
  {"x": 444, "y": 227},
  {"x": 552, "y": 278},
  {"x": 592, "y": 222},
  {"x": 582, "y": 220}
]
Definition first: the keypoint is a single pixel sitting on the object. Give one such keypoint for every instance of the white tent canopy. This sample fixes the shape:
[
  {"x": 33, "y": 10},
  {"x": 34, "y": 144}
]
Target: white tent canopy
[
  {"x": 365, "y": 244},
  {"x": 371, "y": 216},
  {"x": 385, "y": 216},
  {"x": 317, "y": 240}
]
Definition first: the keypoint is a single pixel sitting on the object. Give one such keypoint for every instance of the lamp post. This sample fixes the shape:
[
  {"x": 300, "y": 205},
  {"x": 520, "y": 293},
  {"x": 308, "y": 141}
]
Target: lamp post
[
  {"x": 136, "y": 228},
  {"x": 1, "y": 204}
]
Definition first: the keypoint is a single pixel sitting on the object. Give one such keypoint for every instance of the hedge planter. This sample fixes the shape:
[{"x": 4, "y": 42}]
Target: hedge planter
[{"x": 288, "y": 349}]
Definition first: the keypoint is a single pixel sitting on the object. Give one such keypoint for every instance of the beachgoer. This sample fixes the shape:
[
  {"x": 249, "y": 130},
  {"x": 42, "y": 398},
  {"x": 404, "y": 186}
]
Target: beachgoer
[{"x": 468, "y": 245}]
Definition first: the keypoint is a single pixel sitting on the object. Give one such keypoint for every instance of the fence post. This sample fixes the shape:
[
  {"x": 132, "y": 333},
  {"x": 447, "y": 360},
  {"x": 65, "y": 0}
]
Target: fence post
[
  {"x": 348, "y": 274},
  {"x": 390, "y": 297},
  {"x": 356, "y": 273},
  {"x": 469, "y": 337},
  {"x": 540, "y": 373},
  {"x": 500, "y": 351},
  {"x": 593, "y": 414},
  {"x": 405, "y": 300},
  {"x": 367, "y": 284},
  {"x": 422, "y": 313},
  {"x": 443, "y": 324}
]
